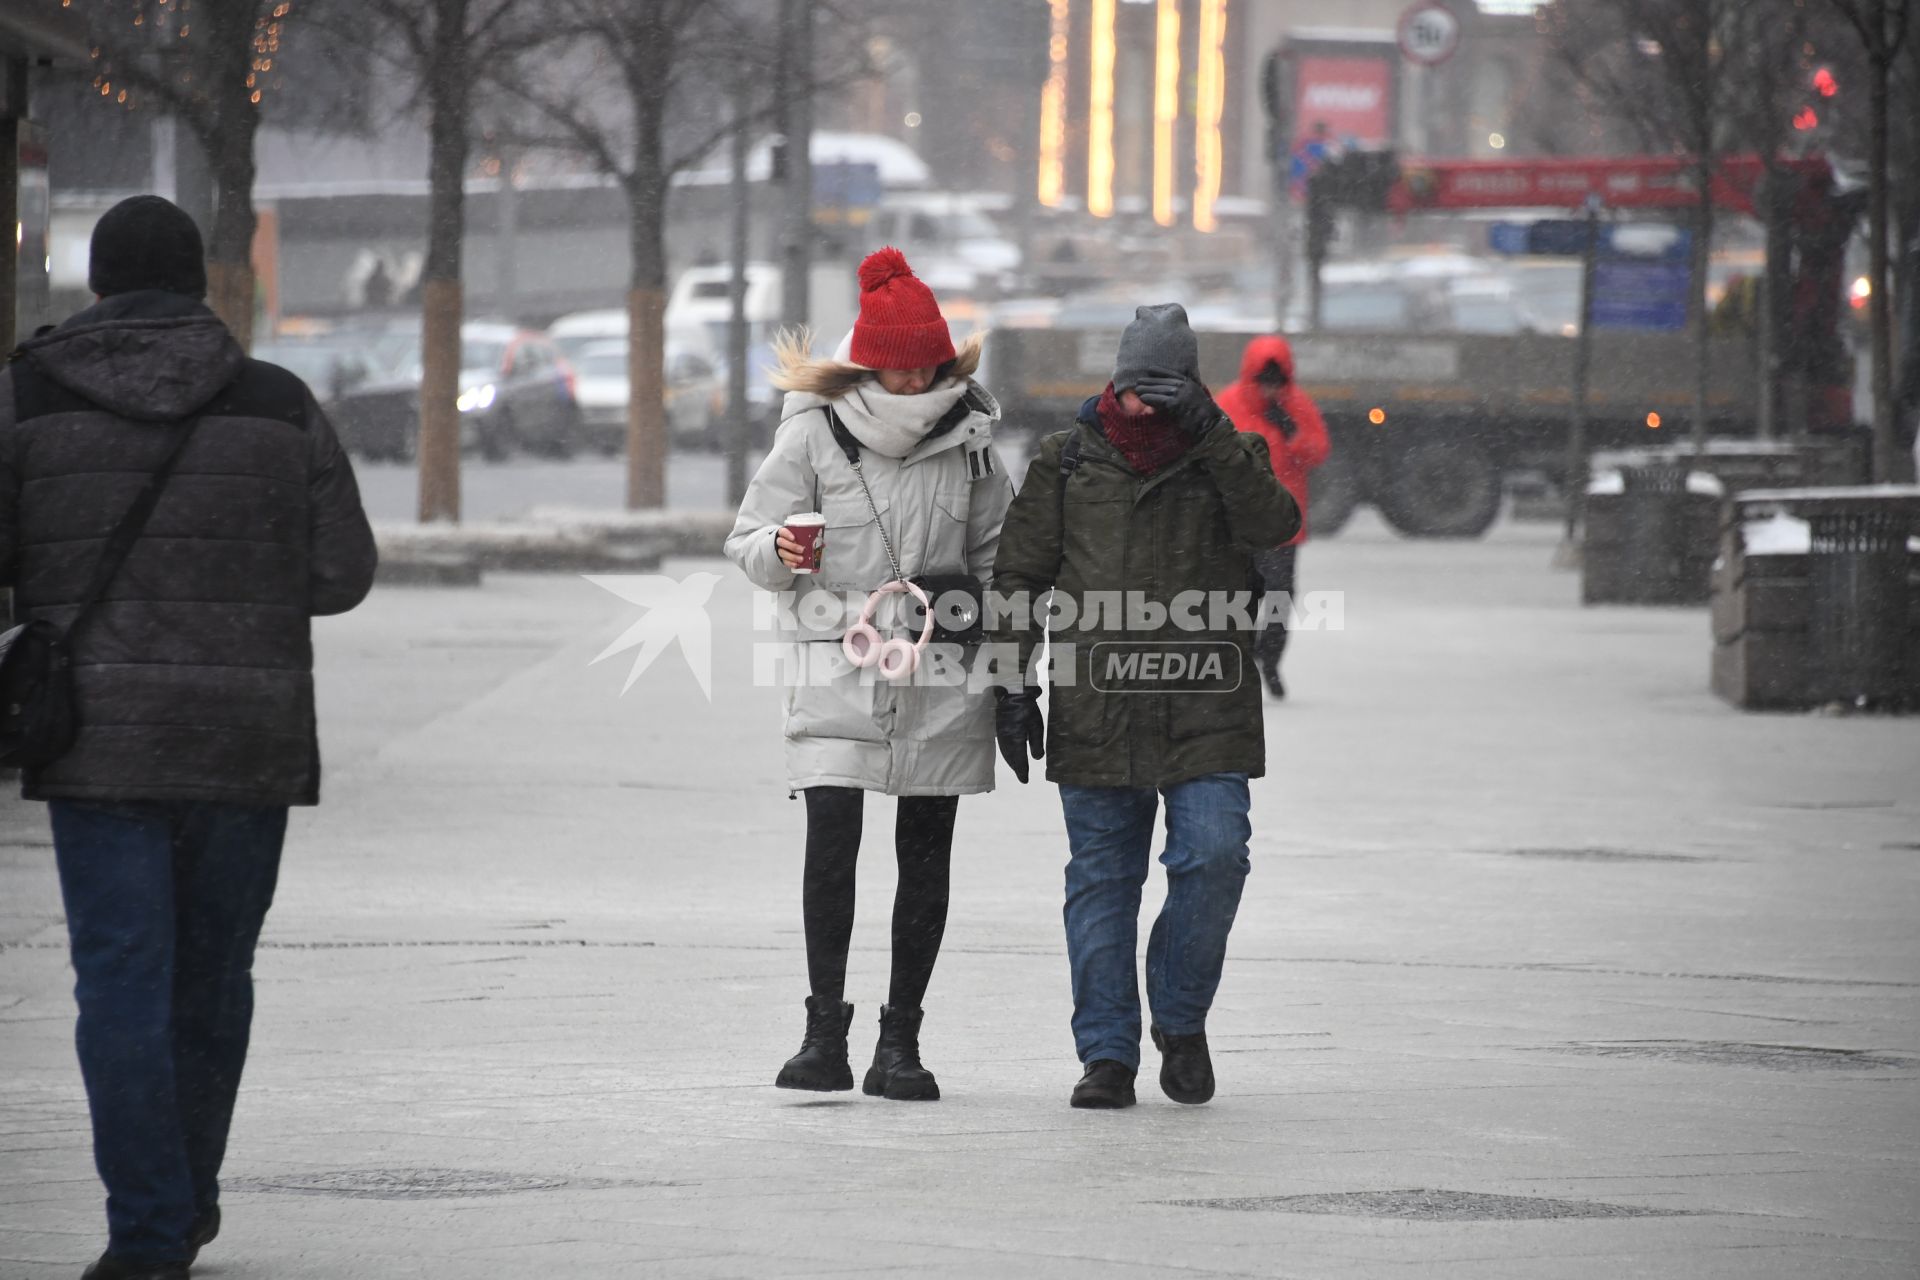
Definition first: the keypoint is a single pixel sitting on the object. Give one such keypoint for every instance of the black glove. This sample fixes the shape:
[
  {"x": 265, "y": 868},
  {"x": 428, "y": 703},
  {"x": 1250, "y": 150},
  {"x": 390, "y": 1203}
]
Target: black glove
[
  {"x": 1017, "y": 724},
  {"x": 1282, "y": 420},
  {"x": 1180, "y": 398}
]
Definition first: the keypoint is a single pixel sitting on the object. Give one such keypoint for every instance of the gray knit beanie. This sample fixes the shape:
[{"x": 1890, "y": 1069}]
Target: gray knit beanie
[{"x": 1159, "y": 338}]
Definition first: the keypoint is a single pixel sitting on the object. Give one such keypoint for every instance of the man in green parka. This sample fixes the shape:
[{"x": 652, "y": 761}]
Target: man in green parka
[{"x": 1143, "y": 519}]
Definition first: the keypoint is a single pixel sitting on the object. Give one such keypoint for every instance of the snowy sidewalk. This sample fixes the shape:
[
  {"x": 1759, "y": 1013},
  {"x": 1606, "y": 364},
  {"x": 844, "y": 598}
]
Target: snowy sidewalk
[{"x": 1619, "y": 980}]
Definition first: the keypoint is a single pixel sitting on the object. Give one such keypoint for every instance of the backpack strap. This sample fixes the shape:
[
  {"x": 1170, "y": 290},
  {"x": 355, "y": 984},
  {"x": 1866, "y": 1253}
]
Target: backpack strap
[{"x": 1070, "y": 456}]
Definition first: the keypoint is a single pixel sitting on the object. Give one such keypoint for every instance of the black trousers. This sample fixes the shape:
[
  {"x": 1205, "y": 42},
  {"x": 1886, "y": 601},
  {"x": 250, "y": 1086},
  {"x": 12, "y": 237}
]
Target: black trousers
[
  {"x": 1277, "y": 571},
  {"x": 923, "y": 848}
]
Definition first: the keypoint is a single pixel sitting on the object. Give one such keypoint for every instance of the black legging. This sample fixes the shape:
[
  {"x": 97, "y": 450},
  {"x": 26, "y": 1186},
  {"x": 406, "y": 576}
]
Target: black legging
[{"x": 923, "y": 845}]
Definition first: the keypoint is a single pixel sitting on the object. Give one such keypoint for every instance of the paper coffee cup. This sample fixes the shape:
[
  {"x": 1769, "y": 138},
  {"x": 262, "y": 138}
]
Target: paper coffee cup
[{"x": 808, "y": 529}]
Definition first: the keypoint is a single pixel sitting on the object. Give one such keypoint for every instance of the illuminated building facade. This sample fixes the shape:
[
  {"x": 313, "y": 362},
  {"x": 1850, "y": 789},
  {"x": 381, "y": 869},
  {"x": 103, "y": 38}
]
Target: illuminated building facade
[{"x": 1140, "y": 113}]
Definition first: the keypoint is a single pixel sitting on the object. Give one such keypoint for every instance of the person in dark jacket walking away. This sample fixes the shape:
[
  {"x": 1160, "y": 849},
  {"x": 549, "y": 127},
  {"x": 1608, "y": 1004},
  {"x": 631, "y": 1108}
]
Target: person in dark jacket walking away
[
  {"x": 1151, "y": 495},
  {"x": 193, "y": 681},
  {"x": 1266, "y": 400}
]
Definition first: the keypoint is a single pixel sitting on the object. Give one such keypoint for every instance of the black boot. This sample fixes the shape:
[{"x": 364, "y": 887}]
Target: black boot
[
  {"x": 821, "y": 1064},
  {"x": 1186, "y": 1068},
  {"x": 1270, "y": 673},
  {"x": 1106, "y": 1086},
  {"x": 896, "y": 1072},
  {"x": 111, "y": 1267},
  {"x": 206, "y": 1226}
]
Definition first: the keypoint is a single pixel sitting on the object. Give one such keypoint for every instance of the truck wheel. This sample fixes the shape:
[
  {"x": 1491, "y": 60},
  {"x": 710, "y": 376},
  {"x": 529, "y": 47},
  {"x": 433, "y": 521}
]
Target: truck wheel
[
  {"x": 1333, "y": 491},
  {"x": 1438, "y": 488}
]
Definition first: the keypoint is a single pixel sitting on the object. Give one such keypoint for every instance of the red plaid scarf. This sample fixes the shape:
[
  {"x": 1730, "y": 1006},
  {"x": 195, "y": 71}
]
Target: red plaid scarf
[{"x": 1148, "y": 440}]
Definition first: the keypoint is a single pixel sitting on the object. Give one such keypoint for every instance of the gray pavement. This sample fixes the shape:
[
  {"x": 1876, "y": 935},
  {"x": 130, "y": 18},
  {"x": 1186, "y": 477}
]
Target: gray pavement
[{"x": 1533, "y": 920}]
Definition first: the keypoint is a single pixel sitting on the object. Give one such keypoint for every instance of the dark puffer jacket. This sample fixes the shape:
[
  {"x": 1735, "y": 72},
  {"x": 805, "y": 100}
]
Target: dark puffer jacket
[
  {"x": 1105, "y": 528},
  {"x": 194, "y": 675}
]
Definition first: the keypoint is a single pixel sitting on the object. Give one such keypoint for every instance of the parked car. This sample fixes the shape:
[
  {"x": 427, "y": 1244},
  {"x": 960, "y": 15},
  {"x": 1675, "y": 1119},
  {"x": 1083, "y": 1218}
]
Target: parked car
[
  {"x": 764, "y": 400},
  {"x": 954, "y": 244},
  {"x": 574, "y": 333},
  {"x": 1488, "y": 304},
  {"x": 329, "y": 364},
  {"x": 702, "y": 304},
  {"x": 516, "y": 389},
  {"x": 695, "y": 395}
]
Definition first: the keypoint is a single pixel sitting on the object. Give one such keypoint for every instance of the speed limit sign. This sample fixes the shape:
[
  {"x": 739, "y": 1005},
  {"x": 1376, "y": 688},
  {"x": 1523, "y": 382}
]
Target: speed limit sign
[{"x": 1429, "y": 33}]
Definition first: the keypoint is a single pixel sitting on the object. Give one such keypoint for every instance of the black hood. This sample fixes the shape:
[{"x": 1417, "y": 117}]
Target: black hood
[{"x": 150, "y": 355}]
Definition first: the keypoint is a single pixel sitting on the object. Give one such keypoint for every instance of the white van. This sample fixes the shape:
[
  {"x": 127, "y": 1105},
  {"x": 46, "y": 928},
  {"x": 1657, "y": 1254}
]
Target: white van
[
  {"x": 576, "y": 332},
  {"x": 951, "y": 240},
  {"x": 702, "y": 300}
]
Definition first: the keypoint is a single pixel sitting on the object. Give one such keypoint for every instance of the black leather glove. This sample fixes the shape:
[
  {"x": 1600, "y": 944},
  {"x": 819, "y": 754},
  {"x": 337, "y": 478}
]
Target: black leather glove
[
  {"x": 1182, "y": 399},
  {"x": 1018, "y": 726},
  {"x": 1282, "y": 420}
]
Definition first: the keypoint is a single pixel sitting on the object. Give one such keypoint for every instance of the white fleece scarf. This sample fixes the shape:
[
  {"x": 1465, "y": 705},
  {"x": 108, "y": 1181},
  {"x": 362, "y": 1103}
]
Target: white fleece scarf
[{"x": 888, "y": 424}]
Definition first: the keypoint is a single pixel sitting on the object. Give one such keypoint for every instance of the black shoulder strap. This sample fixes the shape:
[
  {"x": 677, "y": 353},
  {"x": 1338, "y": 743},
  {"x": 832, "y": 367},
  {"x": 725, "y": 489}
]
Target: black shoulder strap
[
  {"x": 128, "y": 531},
  {"x": 125, "y": 533},
  {"x": 842, "y": 436},
  {"x": 1070, "y": 455}
]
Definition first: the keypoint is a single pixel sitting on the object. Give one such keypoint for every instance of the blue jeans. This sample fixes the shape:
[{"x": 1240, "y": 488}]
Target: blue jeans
[
  {"x": 164, "y": 905},
  {"x": 1110, "y": 831}
]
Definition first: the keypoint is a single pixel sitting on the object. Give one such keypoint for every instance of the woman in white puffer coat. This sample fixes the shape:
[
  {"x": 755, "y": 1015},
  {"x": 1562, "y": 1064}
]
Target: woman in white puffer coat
[{"x": 927, "y": 498}]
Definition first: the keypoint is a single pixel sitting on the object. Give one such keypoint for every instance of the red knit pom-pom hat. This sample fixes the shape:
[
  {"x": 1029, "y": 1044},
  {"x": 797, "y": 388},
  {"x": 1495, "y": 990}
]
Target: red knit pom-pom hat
[{"x": 900, "y": 325}]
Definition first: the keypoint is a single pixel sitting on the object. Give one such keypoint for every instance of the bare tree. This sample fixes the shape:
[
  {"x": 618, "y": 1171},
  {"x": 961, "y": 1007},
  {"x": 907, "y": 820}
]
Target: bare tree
[
  {"x": 626, "y": 89},
  {"x": 1656, "y": 65},
  {"x": 644, "y": 92},
  {"x": 1883, "y": 27},
  {"x": 446, "y": 49},
  {"x": 1905, "y": 153},
  {"x": 209, "y": 66}
]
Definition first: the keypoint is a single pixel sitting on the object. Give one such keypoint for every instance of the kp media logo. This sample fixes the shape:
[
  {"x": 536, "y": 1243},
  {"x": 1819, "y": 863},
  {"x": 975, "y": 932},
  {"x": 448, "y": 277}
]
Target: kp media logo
[{"x": 676, "y": 614}]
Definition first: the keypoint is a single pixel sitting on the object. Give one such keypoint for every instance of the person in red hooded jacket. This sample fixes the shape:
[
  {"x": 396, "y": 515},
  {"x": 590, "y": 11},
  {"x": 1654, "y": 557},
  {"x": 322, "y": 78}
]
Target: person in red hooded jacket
[{"x": 1268, "y": 401}]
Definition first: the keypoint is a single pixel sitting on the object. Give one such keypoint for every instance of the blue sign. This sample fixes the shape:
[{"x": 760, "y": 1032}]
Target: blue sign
[
  {"x": 846, "y": 185},
  {"x": 1640, "y": 293},
  {"x": 1307, "y": 159},
  {"x": 1567, "y": 238},
  {"x": 1510, "y": 237}
]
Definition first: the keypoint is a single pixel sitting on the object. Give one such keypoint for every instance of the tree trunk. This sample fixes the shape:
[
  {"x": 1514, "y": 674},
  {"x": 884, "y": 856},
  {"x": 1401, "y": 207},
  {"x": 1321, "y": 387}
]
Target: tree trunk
[
  {"x": 796, "y": 249},
  {"x": 646, "y": 363},
  {"x": 739, "y": 427},
  {"x": 1702, "y": 266},
  {"x": 1886, "y": 464},
  {"x": 229, "y": 150},
  {"x": 440, "y": 293},
  {"x": 647, "y": 314}
]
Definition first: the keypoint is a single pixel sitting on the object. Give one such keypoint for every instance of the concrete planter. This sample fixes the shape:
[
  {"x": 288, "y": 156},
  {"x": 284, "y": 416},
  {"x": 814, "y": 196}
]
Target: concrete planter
[
  {"x": 1652, "y": 524},
  {"x": 1649, "y": 535},
  {"x": 514, "y": 548},
  {"x": 1802, "y": 617}
]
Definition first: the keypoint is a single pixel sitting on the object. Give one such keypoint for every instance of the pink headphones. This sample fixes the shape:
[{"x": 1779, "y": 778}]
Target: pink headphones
[{"x": 895, "y": 658}]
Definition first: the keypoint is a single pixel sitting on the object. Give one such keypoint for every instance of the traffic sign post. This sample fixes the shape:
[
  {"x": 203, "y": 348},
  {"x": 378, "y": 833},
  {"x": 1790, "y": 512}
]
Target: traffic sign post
[
  {"x": 1568, "y": 553},
  {"x": 1429, "y": 33},
  {"x": 1647, "y": 294}
]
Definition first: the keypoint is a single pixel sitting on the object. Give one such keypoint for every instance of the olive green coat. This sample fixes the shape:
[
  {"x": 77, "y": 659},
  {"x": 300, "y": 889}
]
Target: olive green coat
[{"x": 1195, "y": 525}]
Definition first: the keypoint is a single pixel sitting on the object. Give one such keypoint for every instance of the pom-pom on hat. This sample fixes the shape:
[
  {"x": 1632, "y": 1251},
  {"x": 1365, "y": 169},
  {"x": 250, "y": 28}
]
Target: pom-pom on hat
[{"x": 900, "y": 325}]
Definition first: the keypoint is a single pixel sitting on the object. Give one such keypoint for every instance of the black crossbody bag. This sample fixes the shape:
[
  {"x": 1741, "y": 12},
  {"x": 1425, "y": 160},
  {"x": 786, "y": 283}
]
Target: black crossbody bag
[
  {"x": 959, "y": 611},
  {"x": 38, "y": 718}
]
